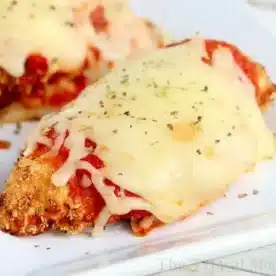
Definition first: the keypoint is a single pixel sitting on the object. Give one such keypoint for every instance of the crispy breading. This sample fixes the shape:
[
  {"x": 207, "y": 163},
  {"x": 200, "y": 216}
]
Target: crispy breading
[
  {"x": 31, "y": 204},
  {"x": 16, "y": 112}
]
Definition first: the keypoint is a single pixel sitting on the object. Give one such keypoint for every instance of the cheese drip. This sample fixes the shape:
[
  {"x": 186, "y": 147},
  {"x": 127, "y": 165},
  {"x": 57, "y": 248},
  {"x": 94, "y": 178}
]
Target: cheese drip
[
  {"x": 62, "y": 31},
  {"x": 169, "y": 128}
]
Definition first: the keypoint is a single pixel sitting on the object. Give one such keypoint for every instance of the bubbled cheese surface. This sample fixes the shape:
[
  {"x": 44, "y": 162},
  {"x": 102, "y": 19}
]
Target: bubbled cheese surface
[
  {"x": 169, "y": 128},
  {"x": 61, "y": 30}
]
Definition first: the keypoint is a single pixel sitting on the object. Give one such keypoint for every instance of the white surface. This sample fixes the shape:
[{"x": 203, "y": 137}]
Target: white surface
[
  {"x": 206, "y": 270},
  {"x": 237, "y": 224},
  {"x": 255, "y": 262},
  {"x": 266, "y": 17},
  {"x": 262, "y": 260}
]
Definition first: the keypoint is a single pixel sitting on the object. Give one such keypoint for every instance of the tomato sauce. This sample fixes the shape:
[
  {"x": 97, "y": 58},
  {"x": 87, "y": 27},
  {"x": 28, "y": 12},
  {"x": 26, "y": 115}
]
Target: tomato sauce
[
  {"x": 5, "y": 144},
  {"x": 37, "y": 87},
  {"x": 98, "y": 19},
  {"x": 248, "y": 67},
  {"x": 91, "y": 199},
  {"x": 252, "y": 70}
]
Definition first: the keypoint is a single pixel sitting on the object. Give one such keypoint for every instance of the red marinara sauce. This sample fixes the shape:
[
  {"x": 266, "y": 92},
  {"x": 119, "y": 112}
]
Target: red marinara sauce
[
  {"x": 254, "y": 71},
  {"x": 5, "y": 144},
  {"x": 38, "y": 87},
  {"x": 91, "y": 198}
]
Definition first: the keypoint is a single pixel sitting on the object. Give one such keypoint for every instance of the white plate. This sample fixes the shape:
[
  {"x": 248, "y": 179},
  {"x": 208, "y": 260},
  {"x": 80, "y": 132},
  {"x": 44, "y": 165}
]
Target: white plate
[{"x": 236, "y": 223}]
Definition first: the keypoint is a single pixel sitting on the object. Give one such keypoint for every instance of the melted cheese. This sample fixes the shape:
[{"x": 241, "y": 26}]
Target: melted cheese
[
  {"x": 62, "y": 30},
  {"x": 169, "y": 128}
]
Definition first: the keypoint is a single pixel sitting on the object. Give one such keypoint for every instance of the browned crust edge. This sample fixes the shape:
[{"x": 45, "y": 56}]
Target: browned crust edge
[{"x": 16, "y": 112}]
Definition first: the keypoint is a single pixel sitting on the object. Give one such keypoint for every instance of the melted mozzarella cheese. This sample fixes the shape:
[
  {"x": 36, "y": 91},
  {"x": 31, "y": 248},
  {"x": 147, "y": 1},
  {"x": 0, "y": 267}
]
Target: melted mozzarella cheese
[
  {"x": 62, "y": 30},
  {"x": 169, "y": 128}
]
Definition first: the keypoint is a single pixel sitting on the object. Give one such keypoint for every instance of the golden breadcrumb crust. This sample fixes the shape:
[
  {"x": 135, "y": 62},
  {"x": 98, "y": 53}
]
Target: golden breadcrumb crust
[
  {"x": 16, "y": 112},
  {"x": 31, "y": 204}
]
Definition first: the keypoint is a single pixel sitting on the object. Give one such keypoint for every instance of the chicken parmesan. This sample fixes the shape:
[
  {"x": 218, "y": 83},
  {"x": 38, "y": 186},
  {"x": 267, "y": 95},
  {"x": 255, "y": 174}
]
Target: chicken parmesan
[
  {"x": 149, "y": 143},
  {"x": 51, "y": 50}
]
